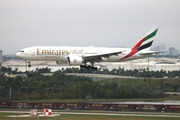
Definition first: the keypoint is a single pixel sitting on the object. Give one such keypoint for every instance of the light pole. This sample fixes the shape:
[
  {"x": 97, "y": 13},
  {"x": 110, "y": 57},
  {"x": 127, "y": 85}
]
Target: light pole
[
  {"x": 119, "y": 75},
  {"x": 148, "y": 68}
]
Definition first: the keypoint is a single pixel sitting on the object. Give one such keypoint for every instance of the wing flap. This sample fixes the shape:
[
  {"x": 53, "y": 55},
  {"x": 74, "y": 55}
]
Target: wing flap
[{"x": 98, "y": 57}]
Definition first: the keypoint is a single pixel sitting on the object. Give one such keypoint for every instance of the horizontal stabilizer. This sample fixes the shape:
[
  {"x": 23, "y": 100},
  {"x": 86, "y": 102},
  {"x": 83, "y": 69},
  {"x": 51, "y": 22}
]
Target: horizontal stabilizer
[{"x": 150, "y": 52}]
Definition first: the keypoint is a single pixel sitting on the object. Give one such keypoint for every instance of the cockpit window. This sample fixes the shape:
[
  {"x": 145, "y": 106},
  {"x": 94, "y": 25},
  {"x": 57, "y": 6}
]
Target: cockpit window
[{"x": 21, "y": 51}]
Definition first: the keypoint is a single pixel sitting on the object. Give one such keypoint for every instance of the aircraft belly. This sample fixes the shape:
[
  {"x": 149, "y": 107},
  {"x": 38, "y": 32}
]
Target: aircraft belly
[
  {"x": 48, "y": 58},
  {"x": 52, "y": 58}
]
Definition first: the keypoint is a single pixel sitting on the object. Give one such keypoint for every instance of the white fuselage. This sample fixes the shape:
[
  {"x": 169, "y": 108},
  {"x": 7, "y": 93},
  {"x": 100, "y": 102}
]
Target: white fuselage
[
  {"x": 60, "y": 54},
  {"x": 82, "y": 55}
]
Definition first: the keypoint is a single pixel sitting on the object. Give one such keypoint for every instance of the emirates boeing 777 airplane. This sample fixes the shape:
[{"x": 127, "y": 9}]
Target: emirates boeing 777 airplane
[{"x": 83, "y": 55}]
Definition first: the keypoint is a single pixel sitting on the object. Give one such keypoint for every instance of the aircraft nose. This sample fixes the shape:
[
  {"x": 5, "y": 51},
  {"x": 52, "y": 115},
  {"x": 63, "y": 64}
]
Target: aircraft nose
[{"x": 17, "y": 54}]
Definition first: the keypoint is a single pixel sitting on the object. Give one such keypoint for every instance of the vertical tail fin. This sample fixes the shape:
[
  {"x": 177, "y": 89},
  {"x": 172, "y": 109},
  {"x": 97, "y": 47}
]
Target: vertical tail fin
[{"x": 146, "y": 42}]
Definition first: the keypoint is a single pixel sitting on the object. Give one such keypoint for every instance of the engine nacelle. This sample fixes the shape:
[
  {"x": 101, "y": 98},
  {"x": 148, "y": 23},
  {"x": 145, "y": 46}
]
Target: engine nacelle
[{"x": 74, "y": 60}]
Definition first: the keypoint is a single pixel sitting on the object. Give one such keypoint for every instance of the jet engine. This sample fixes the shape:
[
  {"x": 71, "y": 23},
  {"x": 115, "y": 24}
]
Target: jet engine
[{"x": 74, "y": 60}]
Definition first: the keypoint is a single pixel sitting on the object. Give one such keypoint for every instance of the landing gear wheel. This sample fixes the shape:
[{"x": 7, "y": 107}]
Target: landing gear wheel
[{"x": 89, "y": 67}]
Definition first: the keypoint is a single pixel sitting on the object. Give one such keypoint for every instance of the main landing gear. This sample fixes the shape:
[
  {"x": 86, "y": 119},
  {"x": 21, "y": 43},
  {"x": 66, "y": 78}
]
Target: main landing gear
[
  {"x": 88, "y": 67},
  {"x": 27, "y": 64}
]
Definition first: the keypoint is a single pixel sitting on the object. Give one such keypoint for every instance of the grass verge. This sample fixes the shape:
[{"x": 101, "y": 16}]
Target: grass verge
[{"x": 86, "y": 117}]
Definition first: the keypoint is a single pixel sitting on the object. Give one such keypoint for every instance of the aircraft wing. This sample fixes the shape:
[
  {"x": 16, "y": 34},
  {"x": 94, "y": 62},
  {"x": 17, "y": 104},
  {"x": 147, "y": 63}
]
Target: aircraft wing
[
  {"x": 150, "y": 52},
  {"x": 98, "y": 57}
]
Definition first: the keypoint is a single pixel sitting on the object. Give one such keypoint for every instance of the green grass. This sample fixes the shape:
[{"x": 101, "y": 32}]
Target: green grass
[
  {"x": 86, "y": 117},
  {"x": 104, "y": 100},
  {"x": 5, "y": 114},
  {"x": 136, "y": 81}
]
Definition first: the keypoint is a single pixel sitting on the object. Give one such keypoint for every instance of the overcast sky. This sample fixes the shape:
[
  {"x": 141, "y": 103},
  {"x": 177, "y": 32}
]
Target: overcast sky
[{"x": 25, "y": 23}]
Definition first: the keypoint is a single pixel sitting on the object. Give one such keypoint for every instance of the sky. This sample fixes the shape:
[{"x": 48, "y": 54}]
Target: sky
[{"x": 25, "y": 23}]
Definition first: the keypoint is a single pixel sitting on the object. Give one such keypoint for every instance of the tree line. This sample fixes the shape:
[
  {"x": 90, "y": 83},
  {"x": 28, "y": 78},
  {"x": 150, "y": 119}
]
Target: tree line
[
  {"x": 121, "y": 71},
  {"x": 61, "y": 86},
  {"x": 32, "y": 85},
  {"x": 145, "y": 73}
]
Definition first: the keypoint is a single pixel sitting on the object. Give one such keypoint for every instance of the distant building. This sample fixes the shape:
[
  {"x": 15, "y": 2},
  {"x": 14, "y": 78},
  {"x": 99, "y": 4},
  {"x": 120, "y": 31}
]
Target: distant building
[
  {"x": 161, "y": 47},
  {"x": 173, "y": 51}
]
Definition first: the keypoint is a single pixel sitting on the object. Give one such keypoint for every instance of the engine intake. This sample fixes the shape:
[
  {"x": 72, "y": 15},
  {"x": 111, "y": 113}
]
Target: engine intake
[{"x": 74, "y": 60}]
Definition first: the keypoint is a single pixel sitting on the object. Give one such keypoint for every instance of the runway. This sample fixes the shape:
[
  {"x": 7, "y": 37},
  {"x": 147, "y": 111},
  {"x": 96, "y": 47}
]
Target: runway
[{"x": 109, "y": 113}]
